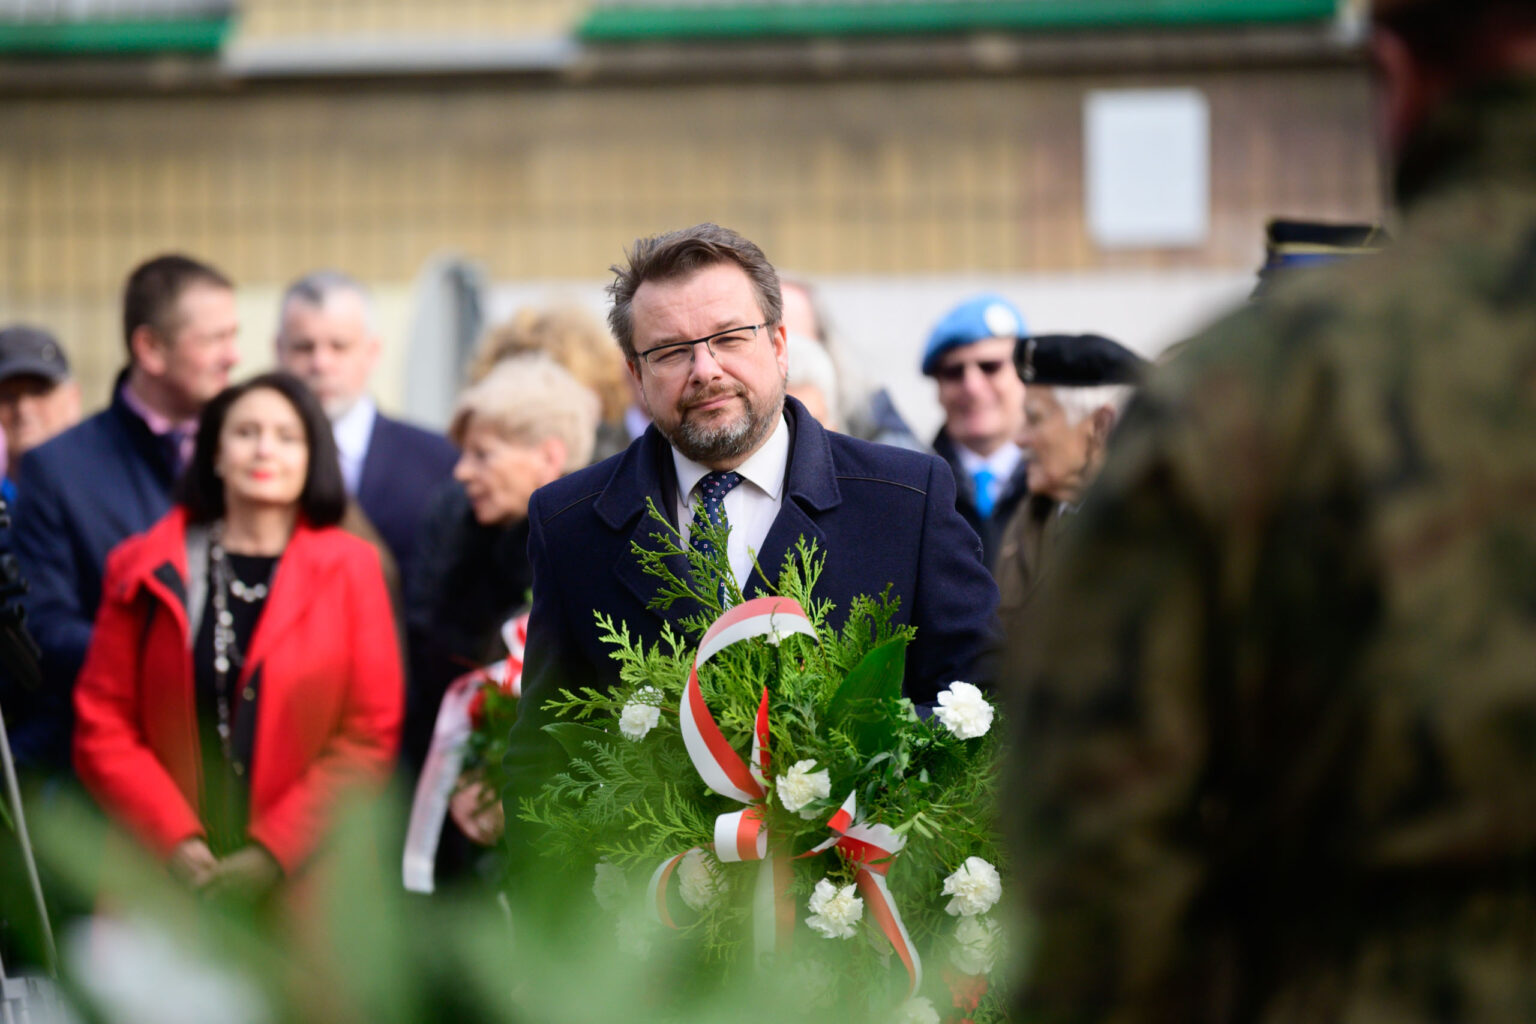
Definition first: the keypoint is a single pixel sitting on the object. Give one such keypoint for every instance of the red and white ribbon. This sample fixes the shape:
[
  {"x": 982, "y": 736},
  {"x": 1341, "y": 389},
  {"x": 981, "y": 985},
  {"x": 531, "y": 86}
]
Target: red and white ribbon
[
  {"x": 721, "y": 768},
  {"x": 742, "y": 835},
  {"x": 440, "y": 772},
  {"x": 872, "y": 848}
]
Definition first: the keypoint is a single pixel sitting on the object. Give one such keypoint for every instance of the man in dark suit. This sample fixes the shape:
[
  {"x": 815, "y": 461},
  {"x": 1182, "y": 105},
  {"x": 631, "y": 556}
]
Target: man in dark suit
[
  {"x": 96, "y": 484},
  {"x": 327, "y": 337},
  {"x": 697, "y": 313}
]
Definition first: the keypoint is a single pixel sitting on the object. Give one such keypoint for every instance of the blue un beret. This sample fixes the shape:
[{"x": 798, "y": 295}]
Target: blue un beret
[{"x": 985, "y": 316}]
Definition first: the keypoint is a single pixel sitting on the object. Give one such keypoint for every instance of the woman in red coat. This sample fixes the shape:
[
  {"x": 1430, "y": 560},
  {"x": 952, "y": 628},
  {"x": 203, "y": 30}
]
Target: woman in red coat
[{"x": 244, "y": 671}]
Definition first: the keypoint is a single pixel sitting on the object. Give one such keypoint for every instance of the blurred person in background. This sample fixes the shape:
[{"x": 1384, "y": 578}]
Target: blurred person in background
[
  {"x": 243, "y": 674},
  {"x": 38, "y": 397},
  {"x": 1074, "y": 389},
  {"x": 1275, "y": 737},
  {"x": 970, "y": 357},
  {"x": 1294, "y": 245},
  {"x": 527, "y": 422},
  {"x": 328, "y": 337},
  {"x": 862, "y": 411},
  {"x": 573, "y": 338},
  {"x": 813, "y": 379},
  {"x": 86, "y": 490}
]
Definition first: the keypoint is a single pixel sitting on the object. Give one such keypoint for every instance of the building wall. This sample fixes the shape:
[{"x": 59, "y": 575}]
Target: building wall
[
  {"x": 539, "y": 179},
  {"x": 263, "y": 20}
]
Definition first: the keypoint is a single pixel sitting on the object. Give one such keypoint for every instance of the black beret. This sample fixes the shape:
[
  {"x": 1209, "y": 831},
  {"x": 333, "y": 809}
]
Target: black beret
[{"x": 1076, "y": 361}]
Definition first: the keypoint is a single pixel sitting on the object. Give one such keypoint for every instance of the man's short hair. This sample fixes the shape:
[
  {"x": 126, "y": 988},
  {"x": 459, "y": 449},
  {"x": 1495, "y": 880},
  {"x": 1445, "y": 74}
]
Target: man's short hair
[
  {"x": 680, "y": 253},
  {"x": 316, "y": 288},
  {"x": 154, "y": 288}
]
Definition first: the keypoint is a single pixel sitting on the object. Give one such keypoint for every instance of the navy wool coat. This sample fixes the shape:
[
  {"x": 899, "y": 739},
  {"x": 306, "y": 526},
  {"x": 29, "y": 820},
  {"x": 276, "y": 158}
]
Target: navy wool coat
[{"x": 882, "y": 515}]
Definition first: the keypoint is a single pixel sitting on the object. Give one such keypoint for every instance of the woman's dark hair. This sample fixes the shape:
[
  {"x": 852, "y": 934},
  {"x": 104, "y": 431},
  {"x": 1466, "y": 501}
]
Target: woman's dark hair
[{"x": 324, "y": 498}]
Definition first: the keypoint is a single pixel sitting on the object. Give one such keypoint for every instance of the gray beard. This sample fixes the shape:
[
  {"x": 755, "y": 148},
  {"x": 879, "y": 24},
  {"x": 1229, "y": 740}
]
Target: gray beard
[{"x": 707, "y": 445}]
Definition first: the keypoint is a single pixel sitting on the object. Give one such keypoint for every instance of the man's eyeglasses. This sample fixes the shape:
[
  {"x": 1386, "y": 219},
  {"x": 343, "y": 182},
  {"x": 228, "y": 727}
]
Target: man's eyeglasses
[
  {"x": 954, "y": 373},
  {"x": 675, "y": 359}
]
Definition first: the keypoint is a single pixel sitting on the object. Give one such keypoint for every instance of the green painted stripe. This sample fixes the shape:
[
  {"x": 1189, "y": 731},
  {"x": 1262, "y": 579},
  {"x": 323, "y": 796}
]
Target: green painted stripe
[
  {"x": 114, "y": 38},
  {"x": 635, "y": 23}
]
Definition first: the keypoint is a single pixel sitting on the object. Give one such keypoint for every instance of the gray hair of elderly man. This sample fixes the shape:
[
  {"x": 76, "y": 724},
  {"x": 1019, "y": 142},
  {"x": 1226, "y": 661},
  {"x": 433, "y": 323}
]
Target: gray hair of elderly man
[
  {"x": 318, "y": 286},
  {"x": 1077, "y": 404}
]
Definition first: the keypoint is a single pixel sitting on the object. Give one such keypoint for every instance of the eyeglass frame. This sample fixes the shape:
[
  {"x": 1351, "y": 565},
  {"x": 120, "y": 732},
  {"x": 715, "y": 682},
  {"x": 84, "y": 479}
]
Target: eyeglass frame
[{"x": 706, "y": 341}]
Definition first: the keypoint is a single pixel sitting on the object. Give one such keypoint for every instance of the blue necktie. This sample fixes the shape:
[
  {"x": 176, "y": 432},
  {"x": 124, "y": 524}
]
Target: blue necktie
[
  {"x": 712, "y": 491},
  {"x": 983, "y": 478}
]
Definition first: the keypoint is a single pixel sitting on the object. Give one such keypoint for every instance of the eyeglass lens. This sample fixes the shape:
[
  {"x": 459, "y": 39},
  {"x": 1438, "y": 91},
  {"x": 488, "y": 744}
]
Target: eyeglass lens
[{"x": 955, "y": 372}]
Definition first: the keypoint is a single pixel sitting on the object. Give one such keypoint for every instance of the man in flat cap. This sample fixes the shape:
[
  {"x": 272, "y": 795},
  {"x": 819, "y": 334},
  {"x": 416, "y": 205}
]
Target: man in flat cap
[
  {"x": 38, "y": 397},
  {"x": 1074, "y": 389},
  {"x": 1277, "y": 734},
  {"x": 970, "y": 357}
]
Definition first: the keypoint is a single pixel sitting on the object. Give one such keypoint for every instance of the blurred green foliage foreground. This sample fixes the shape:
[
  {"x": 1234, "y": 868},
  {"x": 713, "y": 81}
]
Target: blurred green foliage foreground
[{"x": 352, "y": 946}]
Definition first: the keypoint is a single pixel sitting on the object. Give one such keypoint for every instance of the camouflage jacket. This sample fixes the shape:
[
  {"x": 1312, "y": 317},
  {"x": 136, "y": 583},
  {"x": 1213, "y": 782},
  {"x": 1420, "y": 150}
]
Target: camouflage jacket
[{"x": 1276, "y": 747}]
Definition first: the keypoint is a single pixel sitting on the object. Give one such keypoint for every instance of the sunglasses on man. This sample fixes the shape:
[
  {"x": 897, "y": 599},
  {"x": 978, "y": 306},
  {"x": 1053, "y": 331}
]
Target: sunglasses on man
[{"x": 954, "y": 373}]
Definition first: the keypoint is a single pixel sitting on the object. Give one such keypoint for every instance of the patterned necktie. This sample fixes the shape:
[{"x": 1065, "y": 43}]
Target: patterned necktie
[
  {"x": 983, "y": 478},
  {"x": 712, "y": 491}
]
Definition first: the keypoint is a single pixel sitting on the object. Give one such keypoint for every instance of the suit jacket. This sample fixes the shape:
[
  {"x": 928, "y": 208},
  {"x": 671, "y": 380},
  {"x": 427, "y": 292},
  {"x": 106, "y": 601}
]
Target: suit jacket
[
  {"x": 403, "y": 467},
  {"x": 881, "y": 515},
  {"x": 323, "y": 669},
  {"x": 1015, "y": 490},
  {"x": 82, "y": 494}
]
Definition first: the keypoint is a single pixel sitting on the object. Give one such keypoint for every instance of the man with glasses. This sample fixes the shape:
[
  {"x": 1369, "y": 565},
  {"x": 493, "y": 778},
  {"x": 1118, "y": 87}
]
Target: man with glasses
[
  {"x": 970, "y": 355},
  {"x": 698, "y": 315}
]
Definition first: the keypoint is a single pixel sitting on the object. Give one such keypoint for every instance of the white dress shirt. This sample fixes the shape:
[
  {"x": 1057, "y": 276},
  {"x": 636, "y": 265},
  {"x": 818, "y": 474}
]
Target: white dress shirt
[
  {"x": 1002, "y": 463},
  {"x": 750, "y": 507},
  {"x": 352, "y": 430}
]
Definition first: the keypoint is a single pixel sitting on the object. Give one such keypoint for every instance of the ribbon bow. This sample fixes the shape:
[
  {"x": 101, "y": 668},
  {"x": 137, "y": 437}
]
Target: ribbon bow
[{"x": 743, "y": 835}]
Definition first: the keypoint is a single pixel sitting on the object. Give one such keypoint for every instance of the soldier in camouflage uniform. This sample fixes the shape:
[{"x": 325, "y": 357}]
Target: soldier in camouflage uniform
[{"x": 1276, "y": 756}]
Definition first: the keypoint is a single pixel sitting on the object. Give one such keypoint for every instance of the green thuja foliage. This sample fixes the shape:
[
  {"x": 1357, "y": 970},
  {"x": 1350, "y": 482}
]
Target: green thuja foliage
[{"x": 632, "y": 797}]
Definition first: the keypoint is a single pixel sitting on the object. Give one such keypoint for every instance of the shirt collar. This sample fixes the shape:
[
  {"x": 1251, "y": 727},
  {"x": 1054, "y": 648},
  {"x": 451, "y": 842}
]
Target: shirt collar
[
  {"x": 1002, "y": 462},
  {"x": 158, "y": 425},
  {"x": 353, "y": 428},
  {"x": 764, "y": 468}
]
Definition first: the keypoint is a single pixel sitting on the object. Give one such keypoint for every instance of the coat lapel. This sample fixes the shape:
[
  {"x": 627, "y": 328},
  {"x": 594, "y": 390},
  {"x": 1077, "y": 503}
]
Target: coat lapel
[
  {"x": 810, "y": 488},
  {"x": 162, "y": 570},
  {"x": 294, "y": 584},
  {"x": 374, "y": 470},
  {"x": 645, "y": 473}
]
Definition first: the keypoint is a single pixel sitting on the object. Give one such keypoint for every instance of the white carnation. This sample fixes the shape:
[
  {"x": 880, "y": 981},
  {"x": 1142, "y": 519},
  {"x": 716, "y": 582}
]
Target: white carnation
[
  {"x": 834, "y": 911},
  {"x": 610, "y": 886},
  {"x": 964, "y": 711},
  {"x": 634, "y": 935},
  {"x": 698, "y": 880},
  {"x": 811, "y": 984},
  {"x": 641, "y": 714},
  {"x": 975, "y": 886},
  {"x": 917, "y": 1010},
  {"x": 977, "y": 944},
  {"x": 800, "y": 786}
]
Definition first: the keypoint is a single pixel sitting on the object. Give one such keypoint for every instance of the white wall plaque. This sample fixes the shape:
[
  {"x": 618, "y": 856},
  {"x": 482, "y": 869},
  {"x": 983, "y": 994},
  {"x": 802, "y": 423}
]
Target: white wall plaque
[{"x": 1148, "y": 167}]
